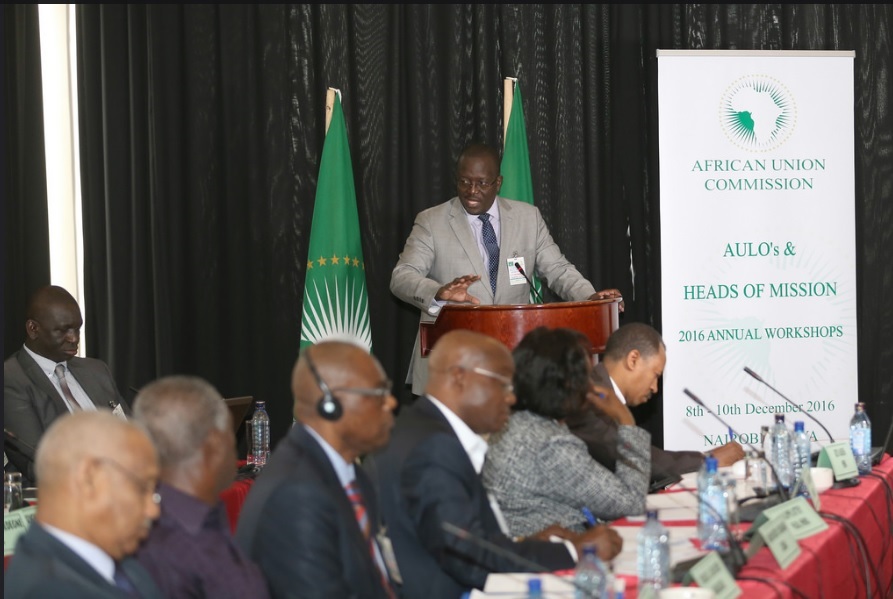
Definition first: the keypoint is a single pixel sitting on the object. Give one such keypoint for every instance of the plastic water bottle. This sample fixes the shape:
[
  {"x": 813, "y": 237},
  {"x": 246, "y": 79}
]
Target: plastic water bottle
[
  {"x": 712, "y": 509},
  {"x": 653, "y": 556},
  {"x": 781, "y": 451},
  {"x": 534, "y": 588},
  {"x": 802, "y": 456},
  {"x": 860, "y": 439},
  {"x": 259, "y": 435},
  {"x": 590, "y": 576}
]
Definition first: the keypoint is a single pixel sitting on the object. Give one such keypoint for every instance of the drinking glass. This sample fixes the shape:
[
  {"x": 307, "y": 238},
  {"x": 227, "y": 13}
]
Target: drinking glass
[{"x": 12, "y": 491}]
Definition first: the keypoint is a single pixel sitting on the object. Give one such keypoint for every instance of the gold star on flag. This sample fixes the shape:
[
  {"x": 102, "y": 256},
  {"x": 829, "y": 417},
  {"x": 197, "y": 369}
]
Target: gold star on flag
[
  {"x": 309, "y": 264},
  {"x": 322, "y": 261},
  {"x": 356, "y": 262},
  {"x": 346, "y": 260},
  {"x": 334, "y": 259}
]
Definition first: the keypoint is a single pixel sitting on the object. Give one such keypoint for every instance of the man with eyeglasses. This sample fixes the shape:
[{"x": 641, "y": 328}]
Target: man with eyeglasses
[
  {"x": 96, "y": 501},
  {"x": 474, "y": 249},
  {"x": 438, "y": 514},
  {"x": 190, "y": 551},
  {"x": 311, "y": 519}
]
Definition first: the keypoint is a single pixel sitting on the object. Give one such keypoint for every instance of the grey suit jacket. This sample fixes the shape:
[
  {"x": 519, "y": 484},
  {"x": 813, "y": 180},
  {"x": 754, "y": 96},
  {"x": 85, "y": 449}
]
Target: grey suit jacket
[
  {"x": 31, "y": 402},
  {"x": 600, "y": 435},
  {"x": 541, "y": 474},
  {"x": 43, "y": 567},
  {"x": 442, "y": 247}
]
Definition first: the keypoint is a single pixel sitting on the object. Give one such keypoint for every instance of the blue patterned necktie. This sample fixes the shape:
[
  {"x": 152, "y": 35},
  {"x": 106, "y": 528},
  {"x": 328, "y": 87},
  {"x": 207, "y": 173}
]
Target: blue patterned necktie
[{"x": 492, "y": 247}]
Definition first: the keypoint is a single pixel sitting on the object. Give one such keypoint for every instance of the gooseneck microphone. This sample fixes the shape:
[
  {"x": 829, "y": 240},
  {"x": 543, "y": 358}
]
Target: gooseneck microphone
[
  {"x": 528, "y": 565},
  {"x": 12, "y": 437},
  {"x": 734, "y": 559},
  {"x": 810, "y": 416},
  {"x": 520, "y": 269},
  {"x": 781, "y": 490}
]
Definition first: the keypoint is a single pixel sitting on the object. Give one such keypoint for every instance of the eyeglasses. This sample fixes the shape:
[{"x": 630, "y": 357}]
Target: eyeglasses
[
  {"x": 467, "y": 184},
  {"x": 144, "y": 487},
  {"x": 507, "y": 386}
]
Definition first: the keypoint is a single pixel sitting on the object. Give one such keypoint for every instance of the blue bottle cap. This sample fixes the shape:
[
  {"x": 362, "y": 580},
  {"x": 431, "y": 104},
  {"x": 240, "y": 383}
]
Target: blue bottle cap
[{"x": 798, "y": 426}]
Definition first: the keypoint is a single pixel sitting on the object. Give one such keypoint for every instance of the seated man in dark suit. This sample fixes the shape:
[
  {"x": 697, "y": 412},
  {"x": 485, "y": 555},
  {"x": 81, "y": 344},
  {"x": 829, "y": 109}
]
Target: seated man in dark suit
[
  {"x": 428, "y": 479},
  {"x": 45, "y": 379},
  {"x": 190, "y": 551},
  {"x": 633, "y": 361},
  {"x": 97, "y": 500},
  {"x": 311, "y": 519}
]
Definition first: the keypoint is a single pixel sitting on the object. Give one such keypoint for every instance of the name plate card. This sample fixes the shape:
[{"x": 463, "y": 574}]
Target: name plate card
[
  {"x": 711, "y": 573},
  {"x": 801, "y": 519},
  {"x": 14, "y": 525},
  {"x": 776, "y": 535},
  {"x": 839, "y": 457}
]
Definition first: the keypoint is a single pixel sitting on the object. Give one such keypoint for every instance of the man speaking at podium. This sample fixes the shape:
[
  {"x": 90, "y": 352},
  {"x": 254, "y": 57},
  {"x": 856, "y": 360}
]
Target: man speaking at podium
[{"x": 479, "y": 248}]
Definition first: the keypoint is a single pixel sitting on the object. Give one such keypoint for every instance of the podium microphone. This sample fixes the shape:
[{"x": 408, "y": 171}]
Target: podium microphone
[
  {"x": 810, "y": 416},
  {"x": 520, "y": 269},
  {"x": 781, "y": 490}
]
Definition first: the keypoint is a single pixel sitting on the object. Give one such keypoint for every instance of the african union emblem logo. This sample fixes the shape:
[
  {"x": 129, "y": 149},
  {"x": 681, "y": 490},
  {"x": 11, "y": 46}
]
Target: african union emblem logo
[{"x": 757, "y": 113}]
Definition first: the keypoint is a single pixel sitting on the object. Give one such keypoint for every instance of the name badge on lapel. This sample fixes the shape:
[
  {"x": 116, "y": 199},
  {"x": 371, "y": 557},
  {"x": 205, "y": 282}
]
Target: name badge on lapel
[{"x": 388, "y": 555}]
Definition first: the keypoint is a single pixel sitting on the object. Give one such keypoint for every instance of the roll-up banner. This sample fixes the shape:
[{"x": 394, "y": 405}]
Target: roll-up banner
[{"x": 758, "y": 266}]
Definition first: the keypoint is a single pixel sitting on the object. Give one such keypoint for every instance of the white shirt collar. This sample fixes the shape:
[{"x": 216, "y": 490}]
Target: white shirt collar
[
  {"x": 493, "y": 212},
  {"x": 98, "y": 559},
  {"x": 344, "y": 469},
  {"x": 47, "y": 365},
  {"x": 473, "y": 444},
  {"x": 617, "y": 391}
]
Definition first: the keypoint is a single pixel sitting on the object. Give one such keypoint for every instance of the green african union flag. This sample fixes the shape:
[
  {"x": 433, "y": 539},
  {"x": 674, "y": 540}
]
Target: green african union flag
[
  {"x": 336, "y": 302},
  {"x": 517, "y": 183}
]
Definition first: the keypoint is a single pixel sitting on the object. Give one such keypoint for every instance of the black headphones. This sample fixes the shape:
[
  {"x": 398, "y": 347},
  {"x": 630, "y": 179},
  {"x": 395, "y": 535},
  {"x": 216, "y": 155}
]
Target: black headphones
[{"x": 328, "y": 406}]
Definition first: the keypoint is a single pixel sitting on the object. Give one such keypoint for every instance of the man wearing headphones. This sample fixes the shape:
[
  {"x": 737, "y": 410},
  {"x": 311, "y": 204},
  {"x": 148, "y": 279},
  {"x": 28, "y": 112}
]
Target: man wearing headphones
[{"x": 311, "y": 519}]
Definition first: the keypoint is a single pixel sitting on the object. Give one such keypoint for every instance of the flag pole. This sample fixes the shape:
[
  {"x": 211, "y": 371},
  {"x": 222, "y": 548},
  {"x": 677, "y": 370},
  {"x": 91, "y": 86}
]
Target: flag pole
[
  {"x": 508, "y": 96},
  {"x": 330, "y": 105}
]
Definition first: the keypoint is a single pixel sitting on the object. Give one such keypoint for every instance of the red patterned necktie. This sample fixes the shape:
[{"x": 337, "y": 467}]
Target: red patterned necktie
[{"x": 359, "y": 510}]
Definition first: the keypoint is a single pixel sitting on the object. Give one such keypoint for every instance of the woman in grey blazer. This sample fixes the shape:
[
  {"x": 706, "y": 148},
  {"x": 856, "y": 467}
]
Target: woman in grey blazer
[{"x": 538, "y": 471}]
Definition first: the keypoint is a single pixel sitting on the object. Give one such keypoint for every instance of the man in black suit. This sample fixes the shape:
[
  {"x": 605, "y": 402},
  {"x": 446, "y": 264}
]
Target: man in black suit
[
  {"x": 97, "y": 501},
  {"x": 632, "y": 364},
  {"x": 311, "y": 520},
  {"x": 45, "y": 379},
  {"x": 428, "y": 479}
]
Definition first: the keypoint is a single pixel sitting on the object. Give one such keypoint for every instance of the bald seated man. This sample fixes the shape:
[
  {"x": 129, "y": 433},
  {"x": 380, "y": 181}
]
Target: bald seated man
[
  {"x": 311, "y": 519},
  {"x": 45, "y": 379},
  {"x": 190, "y": 551},
  {"x": 96, "y": 502},
  {"x": 428, "y": 479},
  {"x": 633, "y": 362}
]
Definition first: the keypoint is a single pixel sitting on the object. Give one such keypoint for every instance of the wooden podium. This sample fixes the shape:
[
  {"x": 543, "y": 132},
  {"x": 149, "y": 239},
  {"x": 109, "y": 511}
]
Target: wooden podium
[{"x": 595, "y": 319}]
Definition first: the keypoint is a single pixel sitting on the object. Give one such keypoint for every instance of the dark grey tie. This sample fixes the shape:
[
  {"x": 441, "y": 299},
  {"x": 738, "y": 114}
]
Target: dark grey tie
[
  {"x": 492, "y": 247},
  {"x": 66, "y": 390}
]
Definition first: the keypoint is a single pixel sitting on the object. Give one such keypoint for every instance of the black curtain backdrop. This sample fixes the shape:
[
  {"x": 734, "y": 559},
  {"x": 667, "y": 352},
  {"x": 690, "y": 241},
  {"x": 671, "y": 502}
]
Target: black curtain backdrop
[
  {"x": 26, "y": 239},
  {"x": 202, "y": 128}
]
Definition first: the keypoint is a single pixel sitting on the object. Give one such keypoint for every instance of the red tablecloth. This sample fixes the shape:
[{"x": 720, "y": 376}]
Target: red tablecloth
[
  {"x": 234, "y": 496},
  {"x": 832, "y": 564}
]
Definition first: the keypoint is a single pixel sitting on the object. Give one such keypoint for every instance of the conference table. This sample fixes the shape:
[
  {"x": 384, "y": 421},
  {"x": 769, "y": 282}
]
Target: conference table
[{"x": 853, "y": 557}]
